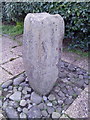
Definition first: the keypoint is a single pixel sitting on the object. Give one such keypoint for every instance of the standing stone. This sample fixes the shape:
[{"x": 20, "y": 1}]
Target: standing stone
[{"x": 42, "y": 45}]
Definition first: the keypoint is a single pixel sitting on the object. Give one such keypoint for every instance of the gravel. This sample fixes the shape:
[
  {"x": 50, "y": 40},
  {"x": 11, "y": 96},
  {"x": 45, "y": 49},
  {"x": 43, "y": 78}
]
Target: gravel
[{"x": 28, "y": 104}]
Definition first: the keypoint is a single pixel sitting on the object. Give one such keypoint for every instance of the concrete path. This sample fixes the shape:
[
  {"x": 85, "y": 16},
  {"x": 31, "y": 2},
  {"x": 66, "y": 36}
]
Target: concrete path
[{"x": 11, "y": 65}]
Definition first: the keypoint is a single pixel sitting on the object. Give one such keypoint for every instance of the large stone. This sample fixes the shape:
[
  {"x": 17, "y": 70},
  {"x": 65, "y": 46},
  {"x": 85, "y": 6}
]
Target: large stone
[{"x": 42, "y": 44}]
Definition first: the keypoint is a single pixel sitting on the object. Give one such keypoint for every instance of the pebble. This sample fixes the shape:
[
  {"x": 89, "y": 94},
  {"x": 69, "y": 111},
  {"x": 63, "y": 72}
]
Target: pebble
[
  {"x": 11, "y": 112},
  {"x": 27, "y": 96},
  {"x": 29, "y": 106},
  {"x": 41, "y": 106},
  {"x": 10, "y": 87},
  {"x": 60, "y": 102},
  {"x": 23, "y": 84},
  {"x": 16, "y": 96},
  {"x": 57, "y": 89},
  {"x": 15, "y": 89},
  {"x": 44, "y": 98},
  {"x": 34, "y": 112},
  {"x": 49, "y": 104},
  {"x": 58, "y": 109},
  {"x": 55, "y": 115},
  {"x": 51, "y": 97},
  {"x": 5, "y": 104},
  {"x": 11, "y": 103},
  {"x": 15, "y": 105},
  {"x": 5, "y": 89},
  {"x": 61, "y": 94},
  {"x": 23, "y": 103},
  {"x": 44, "y": 113},
  {"x": 19, "y": 109},
  {"x": 6, "y": 84},
  {"x": 28, "y": 89},
  {"x": 35, "y": 98},
  {"x": 23, "y": 115},
  {"x": 80, "y": 76},
  {"x": 50, "y": 110},
  {"x": 20, "y": 89},
  {"x": 18, "y": 80},
  {"x": 25, "y": 110},
  {"x": 24, "y": 92},
  {"x": 29, "y": 101},
  {"x": 54, "y": 103}
]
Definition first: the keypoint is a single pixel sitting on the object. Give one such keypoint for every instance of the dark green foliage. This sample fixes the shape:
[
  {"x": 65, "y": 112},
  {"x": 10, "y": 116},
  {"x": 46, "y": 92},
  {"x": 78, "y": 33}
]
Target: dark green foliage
[{"x": 76, "y": 16}]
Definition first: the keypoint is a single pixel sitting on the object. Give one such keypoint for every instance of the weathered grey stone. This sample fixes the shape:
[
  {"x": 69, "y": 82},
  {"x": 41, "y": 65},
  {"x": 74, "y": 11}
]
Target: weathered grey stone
[
  {"x": 11, "y": 113},
  {"x": 34, "y": 112},
  {"x": 16, "y": 96},
  {"x": 6, "y": 84},
  {"x": 42, "y": 44},
  {"x": 18, "y": 80},
  {"x": 35, "y": 98}
]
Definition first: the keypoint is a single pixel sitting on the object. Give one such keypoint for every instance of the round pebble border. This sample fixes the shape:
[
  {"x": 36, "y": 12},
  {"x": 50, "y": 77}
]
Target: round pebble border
[{"x": 20, "y": 101}]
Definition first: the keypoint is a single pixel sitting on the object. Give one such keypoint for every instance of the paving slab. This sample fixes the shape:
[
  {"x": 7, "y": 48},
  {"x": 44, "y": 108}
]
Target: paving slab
[
  {"x": 17, "y": 51},
  {"x": 79, "y": 108},
  {"x": 4, "y": 76},
  {"x": 15, "y": 67},
  {"x": 8, "y": 43},
  {"x": 75, "y": 59},
  {"x": 9, "y": 50}
]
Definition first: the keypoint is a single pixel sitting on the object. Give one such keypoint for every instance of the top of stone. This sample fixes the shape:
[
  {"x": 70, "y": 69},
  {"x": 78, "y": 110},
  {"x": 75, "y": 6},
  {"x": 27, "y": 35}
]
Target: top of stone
[{"x": 41, "y": 16}]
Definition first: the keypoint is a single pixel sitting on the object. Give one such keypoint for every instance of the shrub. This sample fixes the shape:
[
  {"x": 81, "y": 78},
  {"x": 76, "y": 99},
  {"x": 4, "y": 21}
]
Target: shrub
[{"x": 76, "y": 16}]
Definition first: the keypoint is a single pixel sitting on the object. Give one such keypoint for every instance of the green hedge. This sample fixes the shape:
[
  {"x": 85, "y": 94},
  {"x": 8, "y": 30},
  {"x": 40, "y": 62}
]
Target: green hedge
[{"x": 76, "y": 16}]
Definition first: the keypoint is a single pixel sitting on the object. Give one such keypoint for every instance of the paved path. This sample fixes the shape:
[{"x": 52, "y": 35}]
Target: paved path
[{"x": 12, "y": 64}]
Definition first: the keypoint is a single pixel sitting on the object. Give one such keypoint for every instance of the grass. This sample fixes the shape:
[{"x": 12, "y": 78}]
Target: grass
[
  {"x": 12, "y": 30},
  {"x": 77, "y": 51}
]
